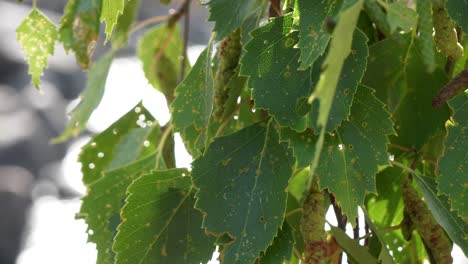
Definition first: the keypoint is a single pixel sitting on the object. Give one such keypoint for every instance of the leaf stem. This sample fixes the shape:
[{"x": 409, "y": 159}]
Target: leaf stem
[
  {"x": 162, "y": 142},
  {"x": 149, "y": 21}
]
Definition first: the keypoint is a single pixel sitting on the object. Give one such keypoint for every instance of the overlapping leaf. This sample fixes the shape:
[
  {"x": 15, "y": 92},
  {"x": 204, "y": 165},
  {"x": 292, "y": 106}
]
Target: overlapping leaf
[
  {"x": 160, "y": 224},
  {"x": 340, "y": 48},
  {"x": 355, "y": 151},
  {"x": 351, "y": 247},
  {"x": 159, "y": 50},
  {"x": 313, "y": 39},
  {"x": 453, "y": 165},
  {"x": 282, "y": 248},
  {"x": 90, "y": 97},
  {"x": 276, "y": 82},
  {"x": 37, "y": 36},
  {"x": 101, "y": 206},
  {"x": 424, "y": 9},
  {"x": 193, "y": 103},
  {"x": 79, "y": 28},
  {"x": 241, "y": 182},
  {"x": 457, "y": 10},
  {"x": 121, "y": 30},
  {"x": 228, "y": 15},
  {"x": 111, "y": 10},
  {"x": 400, "y": 16},
  {"x": 99, "y": 153}
]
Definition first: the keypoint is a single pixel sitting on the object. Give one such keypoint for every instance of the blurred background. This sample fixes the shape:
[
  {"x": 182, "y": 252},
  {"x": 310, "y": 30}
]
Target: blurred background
[{"x": 40, "y": 183}]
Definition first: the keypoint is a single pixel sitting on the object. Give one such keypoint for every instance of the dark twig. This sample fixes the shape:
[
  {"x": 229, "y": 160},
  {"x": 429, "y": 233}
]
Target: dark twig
[
  {"x": 366, "y": 229},
  {"x": 339, "y": 218},
  {"x": 356, "y": 229},
  {"x": 186, "y": 37},
  {"x": 451, "y": 89},
  {"x": 275, "y": 9}
]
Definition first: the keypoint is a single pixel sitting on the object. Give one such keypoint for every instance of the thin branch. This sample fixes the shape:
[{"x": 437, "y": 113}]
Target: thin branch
[
  {"x": 159, "y": 149},
  {"x": 366, "y": 228},
  {"x": 275, "y": 9},
  {"x": 402, "y": 148},
  {"x": 186, "y": 37},
  {"x": 356, "y": 229},
  {"x": 451, "y": 89},
  {"x": 147, "y": 22}
]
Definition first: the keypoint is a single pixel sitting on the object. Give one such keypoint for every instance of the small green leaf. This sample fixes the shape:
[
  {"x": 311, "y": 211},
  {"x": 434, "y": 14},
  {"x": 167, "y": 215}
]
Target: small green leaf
[
  {"x": 241, "y": 182},
  {"x": 355, "y": 151},
  {"x": 455, "y": 227},
  {"x": 160, "y": 224},
  {"x": 458, "y": 10},
  {"x": 159, "y": 50},
  {"x": 97, "y": 155},
  {"x": 452, "y": 179},
  {"x": 282, "y": 248},
  {"x": 276, "y": 83},
  {"x": 340, "y": 48},
  {"x": 228, "y": 15},
  {"x": 313, "y": 39},
  {"x": 79, "y": 28},
  {"x": 90, "y": 98},
  {"x": 352, "y": 247},
  {"x": 193, "y": 103},
  {"x": 399, "y": 16},
  {"x": 111, "y": 10},
  {"x": 37, "y": 36},
  {"x": 102, "y": 204}
]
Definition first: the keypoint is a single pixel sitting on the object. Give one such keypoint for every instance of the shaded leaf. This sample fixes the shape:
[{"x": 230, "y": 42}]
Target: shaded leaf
[
  {"x": 79, "y": 28},
  {"x": 241, "y": 182},
  {"x": 103, "y": 203},
  {"x": 352, "y": 247},
  {"x": 399, "y": 16},
  {"x": 313, "y": 39},
  {"x": 455, "y": 227},
  {"x": 281, "y": 249},
  {"x": 97, "y": 155},
  {"x": 37, "y": 36},
  {"x": 457, "y": 10},
  {"x": 302, "y": 144},
  {"x": 160, "y": 224},
  {"x": 424, "y": 9},
  {"x": 384, "y": 255},
  {"x": 452, "y": 179},
  {"x": 355, "y": 151},
  {"x": 228, "y": 15},
  {"x": 159, "y": 50},
  {"x": 90, "y": 98},
  {"x": 111, "y": 10}
]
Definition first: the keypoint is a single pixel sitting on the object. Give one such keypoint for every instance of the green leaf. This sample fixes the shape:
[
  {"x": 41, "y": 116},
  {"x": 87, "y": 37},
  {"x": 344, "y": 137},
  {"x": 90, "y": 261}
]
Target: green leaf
[
  {"x": 122, "y": 28},
  {"x": 159, "y": 50},
  {"x": 281, "y": 249},
  {"x": 302, "y": 144},
  {"x": 452, "y": 179},
  {"x": 424, "y": 9},
  {"x": 241, "y": 182},
  {"x": 90, "y": 98},
  {"x": 97, "y": 155},
  {"x": 102, "y": 204},
  {"x": 111, "y": 10},
  {"x": 313, "y": 39},
  {"x": 160, "y": 224},
  {"x": 355, "y": 151},
  {"x": 37, "y": 36},
  {"x": 228, "y": 15},
  {"x": 193, "y": 103},
  {"x": 340, "y": 48},
  {"x": 271, "y": 62},
  {"x": 79, "y": 28},
  {"x": 457, "y": 10},
  {"x": 455, "y": 227},
  {"x": 399, "y": 16},
  {"x": 384, "y": 255},
  {"x": 352, "y": 247},
  {"x": 350, "y": 77}
]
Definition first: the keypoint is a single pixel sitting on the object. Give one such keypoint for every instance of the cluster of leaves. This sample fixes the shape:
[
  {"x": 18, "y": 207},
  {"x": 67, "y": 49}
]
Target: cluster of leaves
[{"x": 316, "y": 104}]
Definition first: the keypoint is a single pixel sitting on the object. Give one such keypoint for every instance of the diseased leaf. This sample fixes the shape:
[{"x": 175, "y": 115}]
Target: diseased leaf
[
  {"x": 355, "y": 151},
  {"x": 399, "y": 16},
  {"x": 97, "y": 155},
  {"x": 37, "y": 36},
  {"x": 228, "y": 15},
  {"x": 457, "y": 9},
  {"x": 159, "y": 50},
  {"x": 455, "y": 227},
  {"x": 452, "y": 179},
  {"x": 160, "y": 224},
  {"x": 122, "y": 28},
  {"x": 241, "y": 182},
  {"x": 281, "y": 249},
  {"x": 101, "y": 206},
  {"x": 79, "y": 28},
  {"x": 276, "y": 83},
  {"x": 111, "y": 10},
  {"x": 90, "y": 98},
  {"x": 193, "y": 103},
  {"x": 351, "y": 247},
  {"x": 340, "y": 48},
  {"x": 313, "y": 39}
]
